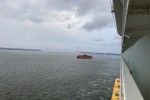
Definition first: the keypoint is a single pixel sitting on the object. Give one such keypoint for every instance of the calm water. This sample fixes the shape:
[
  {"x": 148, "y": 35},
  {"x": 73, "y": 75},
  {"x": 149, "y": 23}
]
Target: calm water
[{"x": 56, "y": 76}]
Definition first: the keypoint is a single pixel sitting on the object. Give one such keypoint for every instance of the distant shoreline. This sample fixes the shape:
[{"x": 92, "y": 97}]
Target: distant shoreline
[
  {"x": 102, "y": 53},
  {"x": 24, "y": 49},
  {"x": 21, "y": 49}
]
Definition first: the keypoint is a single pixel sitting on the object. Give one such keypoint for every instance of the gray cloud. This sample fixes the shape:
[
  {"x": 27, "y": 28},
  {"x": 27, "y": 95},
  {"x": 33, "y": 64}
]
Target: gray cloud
[
  {"x": 98, "y": 40},
  {"x": 71, "y": 25},
  {"x": 82, "y": 7},
  {"x": 36, "y": 11},
  {"x": 93, "y": 6},
  {"x": 99, "y": 21}
]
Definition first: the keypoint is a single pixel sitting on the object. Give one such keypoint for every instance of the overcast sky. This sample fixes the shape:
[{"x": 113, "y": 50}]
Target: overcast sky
[{"x": 66, "y": 25}]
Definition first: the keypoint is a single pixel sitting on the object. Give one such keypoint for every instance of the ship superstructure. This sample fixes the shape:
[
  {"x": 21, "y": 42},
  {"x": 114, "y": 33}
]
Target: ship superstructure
[{"x": 133, "y": 24}]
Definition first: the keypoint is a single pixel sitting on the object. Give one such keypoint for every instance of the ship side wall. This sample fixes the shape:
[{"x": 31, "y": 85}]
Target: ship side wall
[{"x": 137, "y": 58}]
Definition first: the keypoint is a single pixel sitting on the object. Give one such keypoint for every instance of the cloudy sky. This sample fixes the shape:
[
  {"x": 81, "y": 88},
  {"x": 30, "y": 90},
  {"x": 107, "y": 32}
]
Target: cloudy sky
[{"x": 66, "y": 25}]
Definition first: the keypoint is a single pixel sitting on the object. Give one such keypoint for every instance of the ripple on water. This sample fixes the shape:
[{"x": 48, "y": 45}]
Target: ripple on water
[{"x": 53, "y": 76}]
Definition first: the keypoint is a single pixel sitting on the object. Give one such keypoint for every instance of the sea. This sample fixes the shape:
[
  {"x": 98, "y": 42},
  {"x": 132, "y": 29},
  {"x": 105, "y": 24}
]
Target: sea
[{"x": 43, "y": 75}]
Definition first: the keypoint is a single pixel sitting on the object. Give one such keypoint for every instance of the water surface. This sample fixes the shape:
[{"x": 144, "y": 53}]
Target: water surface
[{"x": 56, "y": 76}]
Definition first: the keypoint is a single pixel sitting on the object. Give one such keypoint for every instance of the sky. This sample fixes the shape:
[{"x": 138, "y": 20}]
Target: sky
[{"x": 59, "y": 25}]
